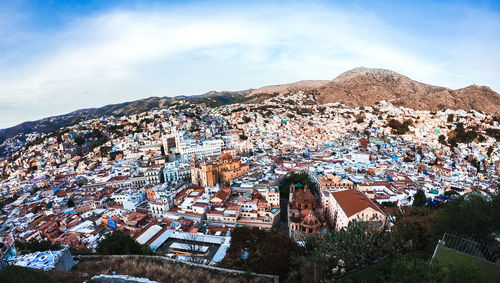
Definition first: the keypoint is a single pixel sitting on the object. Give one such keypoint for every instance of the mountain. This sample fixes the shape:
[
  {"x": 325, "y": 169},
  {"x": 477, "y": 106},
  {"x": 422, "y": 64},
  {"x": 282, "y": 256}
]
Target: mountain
[
  {"x": 301, "y": 85},
  {"x": 365, "y": 86},
  {"x": 50, "y": 124},
  {"x": 357, "y": 87}
]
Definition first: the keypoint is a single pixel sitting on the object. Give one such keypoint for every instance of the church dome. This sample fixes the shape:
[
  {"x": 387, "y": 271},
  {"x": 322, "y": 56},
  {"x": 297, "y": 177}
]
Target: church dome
[{"x": 310, "y": 221}]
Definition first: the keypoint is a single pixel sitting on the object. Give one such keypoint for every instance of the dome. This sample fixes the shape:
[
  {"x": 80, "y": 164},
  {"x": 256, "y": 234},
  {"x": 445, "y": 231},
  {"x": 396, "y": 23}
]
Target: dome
[{"x": 311, "y": 221}]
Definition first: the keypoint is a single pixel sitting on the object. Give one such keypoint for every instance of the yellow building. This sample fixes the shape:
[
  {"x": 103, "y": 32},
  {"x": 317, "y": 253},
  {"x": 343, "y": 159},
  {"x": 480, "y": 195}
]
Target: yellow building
[{"x": 208, "y": 174}]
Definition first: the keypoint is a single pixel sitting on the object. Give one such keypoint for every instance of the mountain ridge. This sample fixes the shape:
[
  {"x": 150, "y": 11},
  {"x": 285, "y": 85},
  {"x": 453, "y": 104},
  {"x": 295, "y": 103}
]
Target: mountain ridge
[
  {"x": 365, "y": 86},
  {"x": 357, "y": 87}
]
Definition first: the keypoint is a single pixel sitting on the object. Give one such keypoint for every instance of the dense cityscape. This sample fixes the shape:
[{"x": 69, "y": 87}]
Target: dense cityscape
[
  {"x": 186, "y": 176},
  {"x": 249, "y": 141}
]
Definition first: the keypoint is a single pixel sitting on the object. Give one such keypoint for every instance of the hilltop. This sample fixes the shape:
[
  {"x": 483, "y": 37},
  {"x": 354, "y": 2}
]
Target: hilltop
[
  {"x": 357, "y": 87},
  {"x": 365, "y": 86}
]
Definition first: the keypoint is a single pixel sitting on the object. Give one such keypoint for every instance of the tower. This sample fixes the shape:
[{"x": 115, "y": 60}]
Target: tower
[{"x": 292, "y": 192}]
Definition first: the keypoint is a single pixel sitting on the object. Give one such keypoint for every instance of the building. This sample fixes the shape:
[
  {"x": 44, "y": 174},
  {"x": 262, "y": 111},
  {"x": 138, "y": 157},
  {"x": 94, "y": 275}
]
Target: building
[
  {"x": 223, "y": 170},
  {"x": 171, "y": 172},
  {"x": 47, "y": 260},
  {"x": 148, "y": 177},
  {"x": 331, "y": 182},
  {"x": 230, "y": 168},
  {"x": 346, "y": 206},
  {"x": 188, "y": 148},
  {"x": 204, "y": 174},
  {"x": 303, "y": 213},
  {"x": 247, "y": 206}
]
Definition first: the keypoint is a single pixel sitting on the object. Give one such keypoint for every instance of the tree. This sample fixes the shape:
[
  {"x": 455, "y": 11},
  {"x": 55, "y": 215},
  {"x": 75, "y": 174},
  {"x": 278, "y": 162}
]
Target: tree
[
  {"x": 246, "y": 119},
  {"x": 450, "y": 118},
  {"x": 80, "y": 140},
  {"x": 494, "y": 133},
  {"x": 71, "y": 203},
  {"x": 450, "y": 193},
  {"x": 419, "y": 199},
  {"x": 193, "y": 248},
  {"x": 398, "y": 127},
  {"x": 412, "y": 228},
  {"x": 295, "y": 178},
  {"x": 474, "y": 216},
  {"x": 442, "y": 139},
  {"x": 36, "y": 246},
  {"x": 14, "y": 273},
  {"x": 329, "y": 255},
  {"x": 104, "y": 150},
  {"x": 260, "y": 251},
  {"x": 461, "y": 135},
  {"x": 119, "y": 243}
]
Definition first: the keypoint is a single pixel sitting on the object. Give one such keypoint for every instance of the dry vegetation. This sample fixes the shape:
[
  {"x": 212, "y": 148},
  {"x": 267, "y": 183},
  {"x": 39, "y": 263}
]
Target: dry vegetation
[{"x": 157, "y": 270}]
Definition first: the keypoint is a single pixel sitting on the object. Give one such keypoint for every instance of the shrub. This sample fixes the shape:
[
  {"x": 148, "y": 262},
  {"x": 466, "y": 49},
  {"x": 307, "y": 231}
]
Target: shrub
[
  {"x": 15, "y": 274},
  {"x": 267, "y": 252},
  {"x": 119, "y": 243}
]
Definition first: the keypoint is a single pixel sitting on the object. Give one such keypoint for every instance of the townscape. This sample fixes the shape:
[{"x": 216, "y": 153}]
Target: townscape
[
  {"x": 249, "y": 141},
  {"x": 188, "y": 173}
]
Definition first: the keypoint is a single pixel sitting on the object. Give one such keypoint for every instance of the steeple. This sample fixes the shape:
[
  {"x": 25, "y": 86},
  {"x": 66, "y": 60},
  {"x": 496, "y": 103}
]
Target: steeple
[{"x": 292, "y": 192}]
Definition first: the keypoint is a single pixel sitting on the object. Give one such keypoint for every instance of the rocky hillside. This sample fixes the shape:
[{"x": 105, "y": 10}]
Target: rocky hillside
[
  {"x": 301, "y": 85},
  {"x": 364, "y": 86}
]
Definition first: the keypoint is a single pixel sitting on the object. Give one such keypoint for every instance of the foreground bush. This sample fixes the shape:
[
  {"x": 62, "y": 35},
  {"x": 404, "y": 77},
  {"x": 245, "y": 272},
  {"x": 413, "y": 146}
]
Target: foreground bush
[
  {"x": 119, "y": 243},
  {"x": 414, "y": 268},
  {"x": 260, "y": 251},
  {"x": 16, "y": 274}
]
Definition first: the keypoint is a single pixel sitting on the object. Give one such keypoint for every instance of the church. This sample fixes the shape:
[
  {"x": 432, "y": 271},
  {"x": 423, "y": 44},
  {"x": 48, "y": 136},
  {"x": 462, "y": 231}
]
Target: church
[{"x": 303, "y": 212}]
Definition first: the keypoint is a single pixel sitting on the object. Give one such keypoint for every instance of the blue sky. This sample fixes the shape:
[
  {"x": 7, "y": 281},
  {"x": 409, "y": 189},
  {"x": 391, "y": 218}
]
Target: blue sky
[{"x": 59, "y": 56}]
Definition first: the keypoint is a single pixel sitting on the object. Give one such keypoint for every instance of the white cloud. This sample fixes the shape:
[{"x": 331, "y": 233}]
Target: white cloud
[{"x": 122, "y": 55}]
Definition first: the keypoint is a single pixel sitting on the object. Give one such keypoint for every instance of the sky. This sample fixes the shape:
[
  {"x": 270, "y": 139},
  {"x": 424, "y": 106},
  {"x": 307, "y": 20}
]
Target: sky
[{"x": 60, "y": 56}]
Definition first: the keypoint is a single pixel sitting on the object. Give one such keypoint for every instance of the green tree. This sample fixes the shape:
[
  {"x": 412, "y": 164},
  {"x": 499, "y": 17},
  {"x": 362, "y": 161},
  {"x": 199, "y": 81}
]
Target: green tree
[
  {"x": 246, "y": 119},
  {"x": 104, "y": 150},
  {"x": 15, "y": 274},
  {"x": 329, "y": 255},
  {"x": 80, "y": 140},
  {"x": 419, "y": 199},
  {"x": 474, "y": 216},
  {"x": 398, "y": 127},
  {"x": 71, "y": 203},
  {"x": 119, "y": 243},
  {"x": 36, "y": 246},
  {"x": 260, "y": 251},
  {"x": 450, "y": 193},
  {"x": 412, "y": 228},
  {"x": 295, "y": 178},
  {"x": 442, "y": 139}
]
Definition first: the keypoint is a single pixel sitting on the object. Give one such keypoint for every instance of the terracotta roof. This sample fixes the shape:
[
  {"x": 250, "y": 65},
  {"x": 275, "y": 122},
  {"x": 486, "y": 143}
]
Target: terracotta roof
[
  {"x": 226, "y": 156},
  {"x": 354, "y": 201},
  {"x": 222, "y": 194},
  {"x": 118, "y": 178},
  {"x": 311, "y": 221},
  {"x": 304, "y": 197}
]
